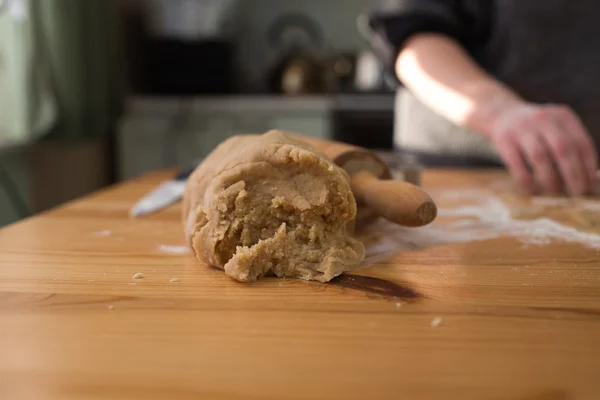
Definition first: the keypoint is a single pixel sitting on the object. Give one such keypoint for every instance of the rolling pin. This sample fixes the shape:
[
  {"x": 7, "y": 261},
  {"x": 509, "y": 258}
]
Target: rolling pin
[{"x": 377, "y": 195}]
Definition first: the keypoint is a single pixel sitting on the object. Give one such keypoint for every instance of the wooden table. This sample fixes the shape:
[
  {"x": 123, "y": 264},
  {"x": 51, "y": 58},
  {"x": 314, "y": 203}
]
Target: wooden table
[{"x": 500, "y": 319}]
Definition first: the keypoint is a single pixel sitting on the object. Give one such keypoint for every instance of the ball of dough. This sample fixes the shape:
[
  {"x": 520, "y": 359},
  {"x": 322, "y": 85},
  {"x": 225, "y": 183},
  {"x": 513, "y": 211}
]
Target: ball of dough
[{"x": 269, "y": 204}]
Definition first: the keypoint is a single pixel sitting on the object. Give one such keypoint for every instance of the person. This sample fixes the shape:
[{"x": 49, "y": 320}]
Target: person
[{"x": 514, "y": 82}]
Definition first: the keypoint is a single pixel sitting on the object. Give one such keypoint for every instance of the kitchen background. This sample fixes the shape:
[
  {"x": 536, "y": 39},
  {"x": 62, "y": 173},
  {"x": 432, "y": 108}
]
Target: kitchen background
[{"x": 122, "y": 87}]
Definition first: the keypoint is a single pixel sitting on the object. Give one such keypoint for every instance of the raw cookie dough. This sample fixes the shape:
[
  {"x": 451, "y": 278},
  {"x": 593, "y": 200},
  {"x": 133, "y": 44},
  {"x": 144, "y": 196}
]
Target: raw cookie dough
[{"x": 268, "y": 204}]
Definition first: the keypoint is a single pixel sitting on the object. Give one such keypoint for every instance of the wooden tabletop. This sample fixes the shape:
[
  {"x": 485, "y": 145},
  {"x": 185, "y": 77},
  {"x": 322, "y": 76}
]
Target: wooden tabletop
[{"x": 498, "y": 299}]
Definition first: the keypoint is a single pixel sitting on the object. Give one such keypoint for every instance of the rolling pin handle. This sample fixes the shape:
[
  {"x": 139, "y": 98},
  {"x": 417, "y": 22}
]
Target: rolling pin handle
[{"x": 399, "y": 202}]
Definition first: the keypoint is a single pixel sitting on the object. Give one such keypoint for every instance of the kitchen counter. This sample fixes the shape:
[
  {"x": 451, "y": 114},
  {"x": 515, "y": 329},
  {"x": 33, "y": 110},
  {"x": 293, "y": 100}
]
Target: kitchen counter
[{"x": 498, "y": 299}]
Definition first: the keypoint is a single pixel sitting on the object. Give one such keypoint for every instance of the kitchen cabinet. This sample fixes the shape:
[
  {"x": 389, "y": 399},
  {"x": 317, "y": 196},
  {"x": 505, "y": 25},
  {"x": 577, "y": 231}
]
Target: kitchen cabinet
[
  {"x": 157, "y": 133},
  {"x": 144, "y": 143},
  {"x": 145, "y": 136}
]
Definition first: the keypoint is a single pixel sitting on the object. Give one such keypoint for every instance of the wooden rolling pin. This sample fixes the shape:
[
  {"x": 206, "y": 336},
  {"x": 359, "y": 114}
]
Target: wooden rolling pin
[{"x": 376, "y": 194}]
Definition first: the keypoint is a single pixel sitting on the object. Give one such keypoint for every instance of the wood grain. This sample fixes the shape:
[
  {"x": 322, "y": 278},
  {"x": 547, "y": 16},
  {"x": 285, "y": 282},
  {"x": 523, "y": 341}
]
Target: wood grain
[
  {"x": 516, "y": 322},
  {"x": 399, "y": 202}
]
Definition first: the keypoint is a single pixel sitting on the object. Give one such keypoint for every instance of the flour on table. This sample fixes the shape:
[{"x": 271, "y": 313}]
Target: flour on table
[
  {"x": 163, "y": 248},
  {"x": 492, "y": 212},
  {"x": 491, "y": 209},
  {"x": 436, "y": 322},
  {"x": 485, "y": 217},
  {"x": 103, "y": 233},
  {"x": 589, "y": 205},
  {"x": 550, "y": 201}
]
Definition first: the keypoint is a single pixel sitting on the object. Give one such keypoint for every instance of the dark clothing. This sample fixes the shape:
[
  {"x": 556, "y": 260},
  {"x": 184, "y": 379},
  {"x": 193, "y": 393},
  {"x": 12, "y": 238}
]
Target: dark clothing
[{"x": 547, "y": 51}]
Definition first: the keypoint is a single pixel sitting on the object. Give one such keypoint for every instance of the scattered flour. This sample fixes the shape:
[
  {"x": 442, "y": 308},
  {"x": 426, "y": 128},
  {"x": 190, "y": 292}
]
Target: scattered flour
[
  {"x": 436, "y": 322},
  {"x": 542, "y": 230},
  {"x": 550, "y": 201},
  {"x": 111, "y": 307},
  {"x": 461, "y": 194},
  {"x": 484, "y": 217},
  {"x": 174, "y": 280},
  {"x": 491, "y": 209},
  {"x": 163, "y": 248},
  {"x": 398, "y": 305},
  {"x": 492, "y": 213},
  {"x": 103, "y": 233},
  {"x": 589, "y": 205}
]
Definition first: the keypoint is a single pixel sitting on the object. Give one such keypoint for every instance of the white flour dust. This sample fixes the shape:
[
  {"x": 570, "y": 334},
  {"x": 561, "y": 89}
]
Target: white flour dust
[
  {"x": 490, "y": 211},
  {"x": 163, "y": 248},
  {"x": 588, "y": 205},
  {"x": 484, "y": 217},
  {"x": 103, "y": 233}
]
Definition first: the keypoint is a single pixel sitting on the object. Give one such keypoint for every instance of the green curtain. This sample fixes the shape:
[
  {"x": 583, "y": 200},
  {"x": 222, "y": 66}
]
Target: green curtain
[{"x": 59, "y": 69}]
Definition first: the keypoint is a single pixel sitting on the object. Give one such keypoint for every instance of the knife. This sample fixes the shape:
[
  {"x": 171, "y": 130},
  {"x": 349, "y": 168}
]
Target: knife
[{"x": 164, "y": 195}]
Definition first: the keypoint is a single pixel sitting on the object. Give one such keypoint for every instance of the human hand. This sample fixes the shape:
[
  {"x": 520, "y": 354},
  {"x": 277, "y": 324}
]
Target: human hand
[{"x": 551, "y": 142}]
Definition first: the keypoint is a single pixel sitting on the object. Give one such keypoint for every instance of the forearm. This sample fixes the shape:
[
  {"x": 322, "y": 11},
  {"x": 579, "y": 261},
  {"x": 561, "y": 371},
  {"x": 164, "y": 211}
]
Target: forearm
[{"x": 443, "y": 76}]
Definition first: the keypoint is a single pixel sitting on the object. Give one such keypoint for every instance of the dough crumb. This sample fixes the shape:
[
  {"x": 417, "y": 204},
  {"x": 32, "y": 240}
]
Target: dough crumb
[
  {"x": 163, "y": 248},
  {"x": 111, "y": 307},
  {"x": 277, "y": 201},
  {"x": 138, "y": 275},
  {"x": 174, "y": 280},
  {"x": 398, "y": 305},
  {"x": 436, "y": 322}
]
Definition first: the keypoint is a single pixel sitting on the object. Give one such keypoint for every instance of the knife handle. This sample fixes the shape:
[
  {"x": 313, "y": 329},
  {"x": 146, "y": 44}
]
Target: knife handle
[{"x": 400, "y": 202}]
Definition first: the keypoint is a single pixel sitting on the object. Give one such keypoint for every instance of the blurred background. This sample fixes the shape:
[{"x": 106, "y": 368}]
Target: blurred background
[{"x": 99, "y": 91}]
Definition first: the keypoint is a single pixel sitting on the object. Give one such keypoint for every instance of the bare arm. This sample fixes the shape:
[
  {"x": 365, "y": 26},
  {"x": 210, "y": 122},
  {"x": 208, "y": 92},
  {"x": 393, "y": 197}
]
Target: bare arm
[{"x": 442, "y": 75}]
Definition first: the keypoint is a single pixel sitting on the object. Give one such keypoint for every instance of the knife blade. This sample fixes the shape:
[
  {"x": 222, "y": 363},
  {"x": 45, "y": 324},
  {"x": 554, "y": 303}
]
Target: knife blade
[{"x": 165, "y": 194}]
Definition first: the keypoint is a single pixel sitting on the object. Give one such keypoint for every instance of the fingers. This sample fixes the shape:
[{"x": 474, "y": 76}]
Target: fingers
[
  {"x": 568, "y": 160},
  {"x": 583, "y": 143},
  {"x": 509, "y": 151},
  {"x": 536, "y": 151},
  {"x": 555, "y": 143}
]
